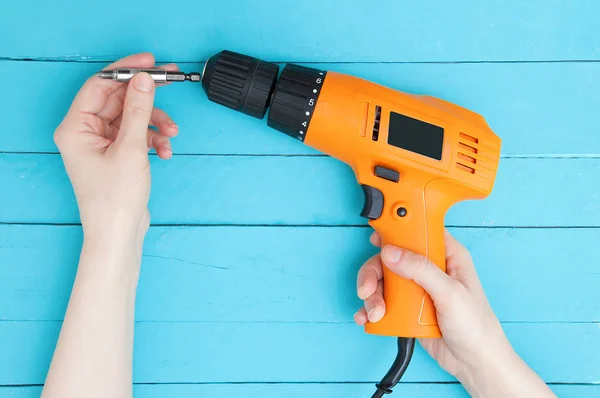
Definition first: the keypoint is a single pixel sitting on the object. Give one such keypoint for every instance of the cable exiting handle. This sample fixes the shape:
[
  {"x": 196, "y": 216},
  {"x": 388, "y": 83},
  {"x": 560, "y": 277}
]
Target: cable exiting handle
[{"x": 406, "y": 346}]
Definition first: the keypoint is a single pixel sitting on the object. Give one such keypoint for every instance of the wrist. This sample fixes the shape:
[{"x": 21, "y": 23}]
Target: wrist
[
  {"x": 492, "y": 375},
  {"x": 113, "y": 246},
  {"x": 504, "y": 375},
  {"x": 116, "y": 229},
  {"x": 109, "y": 264}
]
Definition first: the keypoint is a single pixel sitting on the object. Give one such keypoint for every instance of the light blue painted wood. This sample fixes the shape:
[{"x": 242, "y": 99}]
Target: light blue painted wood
[
  {"x": 309, "y": 31},
  {"x": 301, "y": 190},
  {"x": 537, "y": 109},
  {"x": 292, "y": 352},
  {"x": 303, "y": 390},
  {"x": 291, "y": 274},
  {"x": 298, "y": 330}
]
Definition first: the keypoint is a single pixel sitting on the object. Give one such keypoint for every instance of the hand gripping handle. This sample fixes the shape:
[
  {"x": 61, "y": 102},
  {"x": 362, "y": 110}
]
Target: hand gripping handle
[{"x": 412, "y": 218}]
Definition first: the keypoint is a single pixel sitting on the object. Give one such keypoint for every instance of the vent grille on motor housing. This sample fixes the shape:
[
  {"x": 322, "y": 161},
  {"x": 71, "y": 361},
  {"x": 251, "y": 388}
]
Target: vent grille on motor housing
[
  {"x": 467, "y": 150},
  {"x": 476, "y": 157}
]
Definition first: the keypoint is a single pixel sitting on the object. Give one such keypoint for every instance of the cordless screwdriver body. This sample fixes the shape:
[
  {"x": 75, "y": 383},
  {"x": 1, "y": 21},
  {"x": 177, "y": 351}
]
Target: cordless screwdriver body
[{"x": 414, "y": 157}]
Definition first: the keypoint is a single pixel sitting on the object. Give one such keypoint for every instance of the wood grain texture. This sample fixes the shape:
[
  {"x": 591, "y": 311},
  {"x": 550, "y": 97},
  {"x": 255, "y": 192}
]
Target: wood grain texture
[
  {"x": 230, "y": 311},
  {"x": 540, "y": 109},
  {"x": 301, "y": 191},
  {"x": 350, "y": 390},
  {"x": 286, "y": 274},
  {"x": 292, "y": 352},
  {"x": 312, "y": 30}
]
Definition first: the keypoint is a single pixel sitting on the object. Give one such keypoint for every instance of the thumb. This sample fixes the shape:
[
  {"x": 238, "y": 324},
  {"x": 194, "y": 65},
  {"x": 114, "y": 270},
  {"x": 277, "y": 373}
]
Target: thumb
[
  {"x": 137, "y": 110},
  {"x": 423, "y": 272}
]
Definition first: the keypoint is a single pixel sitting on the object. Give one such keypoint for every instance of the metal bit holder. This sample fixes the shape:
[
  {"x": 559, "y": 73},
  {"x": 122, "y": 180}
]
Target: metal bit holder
[{"x": 158, "y": 75}]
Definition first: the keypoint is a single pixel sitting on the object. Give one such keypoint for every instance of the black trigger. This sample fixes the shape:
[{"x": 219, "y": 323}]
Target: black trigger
[{"x": 373, "y": 206}]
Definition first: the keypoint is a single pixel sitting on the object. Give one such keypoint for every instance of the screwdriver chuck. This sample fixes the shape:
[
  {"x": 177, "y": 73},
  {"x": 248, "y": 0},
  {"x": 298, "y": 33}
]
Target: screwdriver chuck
[{"x": 240, "y": 82}]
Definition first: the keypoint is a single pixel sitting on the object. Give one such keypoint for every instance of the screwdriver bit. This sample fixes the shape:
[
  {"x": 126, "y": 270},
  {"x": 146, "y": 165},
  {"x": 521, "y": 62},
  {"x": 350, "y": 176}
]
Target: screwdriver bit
[{"x": 158, "y": 75}]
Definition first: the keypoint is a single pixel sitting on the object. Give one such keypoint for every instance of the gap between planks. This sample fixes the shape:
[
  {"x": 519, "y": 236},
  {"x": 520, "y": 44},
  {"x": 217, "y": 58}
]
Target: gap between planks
[
  {"x": 89, "y": 60},
  {"x": 200, "y": 225},
  {"x": 184, "y": 383},
  {"x": 321, "y": 155},
  {"x": 5, "y": 320}
]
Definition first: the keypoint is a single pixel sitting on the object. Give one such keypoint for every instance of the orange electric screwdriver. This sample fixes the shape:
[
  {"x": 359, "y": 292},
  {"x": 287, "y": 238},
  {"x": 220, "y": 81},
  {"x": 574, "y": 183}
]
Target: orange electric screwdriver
[{"x": 414, "y": 157}]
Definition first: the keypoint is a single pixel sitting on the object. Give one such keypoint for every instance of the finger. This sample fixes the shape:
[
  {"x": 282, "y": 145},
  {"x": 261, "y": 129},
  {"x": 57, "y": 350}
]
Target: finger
[
  {"x": 137, "y": 110},
  {"x": 94, "y": 94},
  {"x": 375, "y": 305},
  {"x": 459, "y": 264},
  {"x": 145, "y": 58},
  {"x": 360, "y": 318},
  {"x": 114, "y": 104},
  {"x": 375, "y": 239},
  {"x": 160, "y": 143},
  {"x": 455, "y": 249},
  {"x": 164, "y": 123},
  {"x": 415, "y": 267},
  {"x": 368, "y": 276}
]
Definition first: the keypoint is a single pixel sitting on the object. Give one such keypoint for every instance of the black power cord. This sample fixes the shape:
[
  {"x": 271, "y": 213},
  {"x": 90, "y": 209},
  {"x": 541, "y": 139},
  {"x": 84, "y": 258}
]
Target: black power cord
[{"x": 406, "y": 346}]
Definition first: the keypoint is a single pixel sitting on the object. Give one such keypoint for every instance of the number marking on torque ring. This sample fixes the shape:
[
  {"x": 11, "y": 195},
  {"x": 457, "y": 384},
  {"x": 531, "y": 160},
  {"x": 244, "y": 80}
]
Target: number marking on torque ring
[
  {"x": 311, "y": 102},
  {"x": 319, "y": 80}
]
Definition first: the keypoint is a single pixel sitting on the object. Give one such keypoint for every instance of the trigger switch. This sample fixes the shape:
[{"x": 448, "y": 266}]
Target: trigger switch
[{"x": 373, "y": 206}]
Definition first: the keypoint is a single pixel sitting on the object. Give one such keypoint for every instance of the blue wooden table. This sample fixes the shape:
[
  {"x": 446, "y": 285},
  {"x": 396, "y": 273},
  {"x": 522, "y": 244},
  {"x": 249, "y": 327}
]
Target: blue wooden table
[{"x": 248, "y": 278}]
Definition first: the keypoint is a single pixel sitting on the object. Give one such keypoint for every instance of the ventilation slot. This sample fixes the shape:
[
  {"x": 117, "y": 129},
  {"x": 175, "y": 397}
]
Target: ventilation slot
[
  {"x": 465, "y": 168},
  {"x": 467, "y": 149},
  {"x": 469, "y": 138},
  {"x": 376, "y": 123},
  {"x": 467, "y": 158}
]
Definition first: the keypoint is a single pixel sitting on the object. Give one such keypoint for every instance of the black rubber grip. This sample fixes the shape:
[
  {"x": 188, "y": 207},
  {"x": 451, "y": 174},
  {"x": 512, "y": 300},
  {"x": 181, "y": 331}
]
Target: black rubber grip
[
  {"x": 295, "y": 98},
  {"x": 240, "y": 82}
]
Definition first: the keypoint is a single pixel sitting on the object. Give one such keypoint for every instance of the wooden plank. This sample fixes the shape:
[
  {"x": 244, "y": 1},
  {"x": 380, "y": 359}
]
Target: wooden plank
[
  {"x": 312, "y": 31},
  {"x": 524, "y": 103},
  {"x": 347, "y": 390},
  {"x": 301, "y": 190},
  {"x": 295, "y": 274},
  {"x": 179, "y": 352}
]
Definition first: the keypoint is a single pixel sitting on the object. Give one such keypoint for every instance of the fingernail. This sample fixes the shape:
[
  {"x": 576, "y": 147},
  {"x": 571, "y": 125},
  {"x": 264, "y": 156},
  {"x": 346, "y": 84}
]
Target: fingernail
[
  {"x": 372, "y": 239},
  {"x": 172, "y": 124},
  {"x": 167, "y": 147},
  {"x": 375, "y": 314},
  {"x": 359, "y": 318},
  {"x": 144, "y": 82},
  {"x": 361, "y": 293},
  {"x": 391, "y": 254}
]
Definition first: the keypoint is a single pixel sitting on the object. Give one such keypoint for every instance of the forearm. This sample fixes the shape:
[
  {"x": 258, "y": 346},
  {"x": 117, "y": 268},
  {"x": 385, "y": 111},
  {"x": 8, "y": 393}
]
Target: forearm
[
  {"x": 507, "y": 377},
  {"x": 93, "y": 357}
]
